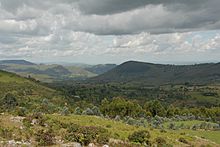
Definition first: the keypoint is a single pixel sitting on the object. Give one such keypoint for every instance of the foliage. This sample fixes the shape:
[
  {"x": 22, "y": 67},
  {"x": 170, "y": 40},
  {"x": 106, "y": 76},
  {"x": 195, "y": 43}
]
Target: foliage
[
  {"x": 160, "y": 141},
  {"x": 9, "y": 101},
  {"x": 121, "y": 107},
  {"x": 140, "y": 137},
  {"x": 183, "y": 140},
  {"x": 78, "y": 111},
  {"x": 44, "y": 137},
  {"x": 65, "y": 111},
  {"x": 86, "y": 135}
]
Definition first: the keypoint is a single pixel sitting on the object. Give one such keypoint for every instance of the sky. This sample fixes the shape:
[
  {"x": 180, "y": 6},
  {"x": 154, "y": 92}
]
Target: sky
[{"x": 110, "y": 31}]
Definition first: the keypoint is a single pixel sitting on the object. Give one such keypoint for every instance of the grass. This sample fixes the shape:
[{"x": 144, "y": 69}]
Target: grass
[
  {"x": 118, "y": 130},
  {"x": 209, "y": 135},
  {"x": 189, "y": 123}
]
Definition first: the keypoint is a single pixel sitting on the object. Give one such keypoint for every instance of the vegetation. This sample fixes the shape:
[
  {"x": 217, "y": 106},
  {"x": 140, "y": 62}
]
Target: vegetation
[{"x": 117, "y": 114}]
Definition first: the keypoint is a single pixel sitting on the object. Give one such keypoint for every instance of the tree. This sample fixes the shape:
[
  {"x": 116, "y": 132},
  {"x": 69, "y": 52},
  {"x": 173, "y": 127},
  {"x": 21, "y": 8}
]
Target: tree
[
  {"x": 155, "y": 108},
  {"x": 170, "y": 111}
]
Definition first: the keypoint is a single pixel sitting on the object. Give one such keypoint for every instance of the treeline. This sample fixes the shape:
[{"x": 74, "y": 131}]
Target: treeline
[
  {"x": 178, "y": 95},
  {"x": 117, "y": 106},
  {"x": 122, "y": 107}
]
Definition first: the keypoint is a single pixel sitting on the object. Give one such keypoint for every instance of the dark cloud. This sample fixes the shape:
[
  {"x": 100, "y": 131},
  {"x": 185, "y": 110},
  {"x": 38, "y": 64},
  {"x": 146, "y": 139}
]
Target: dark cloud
[
  {"x": 110, "y": 17},
  {"x": 105, "y": 7}
]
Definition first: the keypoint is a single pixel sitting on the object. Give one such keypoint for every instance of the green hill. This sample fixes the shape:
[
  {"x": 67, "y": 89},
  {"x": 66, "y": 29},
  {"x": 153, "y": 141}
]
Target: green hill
[
  {"x": 25, "y": 92},
  {"x": 100, "y": 68},
  {"x": 159, "y": 74},
  {"x": 19, "y": 62}
]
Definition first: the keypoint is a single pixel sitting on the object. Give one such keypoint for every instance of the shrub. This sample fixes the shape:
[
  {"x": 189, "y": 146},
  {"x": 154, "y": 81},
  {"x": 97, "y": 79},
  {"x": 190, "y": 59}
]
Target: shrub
[
  {"x": 131, "y": 121},
  {"x": 117, "y": 118},
  {"x": 160, "y": 141},
  {"x": 140, "y": 137},
  {"x": 9, "y": 101},
  {"x": 88, "y": 111},
  {"x": 27, "y": 121},
  {"x": 77, "y": 111},
  {"x": 44, "y": 137},
  {"x": 171, "y": 126},
  {"x": 65, "y": 111},
  {"x": 183, "y": 140},
  {"x": 103, "y": 138},
  {"x": 21, "y": 111},
  {"x": 73, "y": 128},
  {"x": 5, "y": 133},
  {"x": 86, "y": 135},
  {"x": 96, "y": 111}
]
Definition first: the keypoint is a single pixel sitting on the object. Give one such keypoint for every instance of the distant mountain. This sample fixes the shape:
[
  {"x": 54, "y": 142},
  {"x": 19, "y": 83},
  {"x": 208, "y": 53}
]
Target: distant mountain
[
  {"x": 19, "y": 62},
  {"x": 101, "y": 68},
  {"x": 43, "y": 72},
  {"x": 157, "y": 74}
]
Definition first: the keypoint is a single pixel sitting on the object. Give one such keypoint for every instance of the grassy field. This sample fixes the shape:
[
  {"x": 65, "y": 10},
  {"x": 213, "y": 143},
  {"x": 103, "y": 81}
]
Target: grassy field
[
  {"x": 213, "y": 136},
  {"x": 118, "y": 130},
  {"x": 121, "y": 131}
]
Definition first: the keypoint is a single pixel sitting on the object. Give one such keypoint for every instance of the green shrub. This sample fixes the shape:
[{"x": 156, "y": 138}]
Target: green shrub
[
  {"x": 140, "y": 137},
  {"x": 77, "y": 111},
  {"x": 72, "y": 128},
  {"x": 183, "y": 140},
  {"x": 65, "y": 111},
  {"x": 88, "y": 111},
  {"x": 86, "y": 135},
  {"x": 5, "y": 133},
  {"x": 21, "y": 111},
  {"x": 103, "y": 138},
  {"x": 160, "y": 141},
  {"x": 9, "y": 101},
  {"x": 44, "y": 137}
]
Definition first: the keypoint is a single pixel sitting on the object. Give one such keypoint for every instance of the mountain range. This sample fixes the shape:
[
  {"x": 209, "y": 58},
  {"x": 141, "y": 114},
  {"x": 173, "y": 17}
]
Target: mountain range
[
  {"x": 157, "y": 74},
  {"x": 52, "y": 72},
  {"x": 129, "y": 72}
]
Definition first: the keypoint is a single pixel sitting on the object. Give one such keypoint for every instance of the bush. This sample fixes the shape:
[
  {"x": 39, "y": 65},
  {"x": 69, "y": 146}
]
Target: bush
[
  {"x": 72, "y": 128},
  {"x": 86, "y": 135},
  {"x": 140, "y": 137},
  {"x": 77, "y": 111},
  {"x": 45, "y": 137},
  {"x": 96, "y": 111},
  {"x": 160, "y": 141},
  {"x": 183, "y": 140},
  {"x": 5, "y": 133},
  {"x": 88, "y": 111},
  {"x": 103, "y": 138},
  {"x": 21, "y": 111},
  {"x": 9, "y": 101},
  {"x": 171, "y": 126},
  {"x": 65, "y": 111},
  {"x": 117, "y": 118}
]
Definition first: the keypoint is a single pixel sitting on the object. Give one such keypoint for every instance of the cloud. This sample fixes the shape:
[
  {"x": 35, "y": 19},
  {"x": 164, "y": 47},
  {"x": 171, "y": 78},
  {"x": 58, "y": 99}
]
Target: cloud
[
  {"x": 122, "y": 29},
  {"x": 113, "y": 17}
]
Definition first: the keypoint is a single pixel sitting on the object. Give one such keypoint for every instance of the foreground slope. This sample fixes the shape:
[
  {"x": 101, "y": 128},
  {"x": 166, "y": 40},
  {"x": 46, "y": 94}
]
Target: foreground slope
[
  {"x": 25, "y": 92},
  {"x": 157, "y": 74},
  {"x": 63, "y": 127}
]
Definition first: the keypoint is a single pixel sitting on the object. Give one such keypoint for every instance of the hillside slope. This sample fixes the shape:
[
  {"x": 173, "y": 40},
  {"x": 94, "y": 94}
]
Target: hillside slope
[
  {"x": 100, "y": 68},
  {"x": 26, "y": 92},
  {"x": 19, "y": 62},
  {"x": 157, "y": 74}
]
